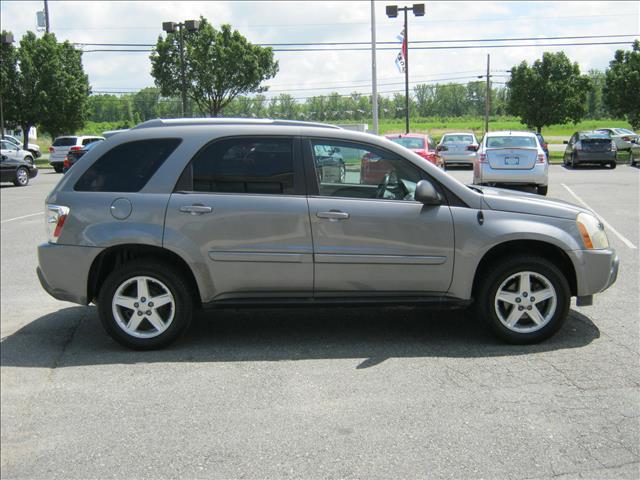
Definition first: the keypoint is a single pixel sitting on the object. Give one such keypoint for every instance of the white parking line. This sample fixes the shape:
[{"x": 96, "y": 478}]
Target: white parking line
[
  {"x": 624, "y": 239},
  {"x": 23, "y": 216}
]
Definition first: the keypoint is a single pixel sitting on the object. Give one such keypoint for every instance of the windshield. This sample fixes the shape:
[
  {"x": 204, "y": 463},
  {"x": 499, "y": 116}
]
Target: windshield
[
  {"x": 624, "y": 131},
  {"x": 457, "y": 138},
  {"x": 409, "y": 142},
  {"x": 511, "y": 142}
]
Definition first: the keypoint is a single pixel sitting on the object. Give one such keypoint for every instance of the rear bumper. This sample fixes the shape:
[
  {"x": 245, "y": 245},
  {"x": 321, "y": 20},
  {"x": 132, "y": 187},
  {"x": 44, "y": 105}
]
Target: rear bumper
[
  {"x": 459, "y": 159},
  {"x": 594, "y": 157},
  {"x": 596, "y": 270},
  {"x": 63, "y": 271},
  {"x": 538, "y": 175}
]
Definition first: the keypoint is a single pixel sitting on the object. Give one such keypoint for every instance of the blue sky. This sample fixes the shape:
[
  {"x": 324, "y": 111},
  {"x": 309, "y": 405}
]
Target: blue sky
[{"x": 303, "y": 74}]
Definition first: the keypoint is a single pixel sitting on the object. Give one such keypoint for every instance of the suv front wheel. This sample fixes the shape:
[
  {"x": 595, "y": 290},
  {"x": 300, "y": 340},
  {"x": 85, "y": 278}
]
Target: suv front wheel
[
  {"x": 524, "y": 299},
  {"x": 145, "y": 305}
]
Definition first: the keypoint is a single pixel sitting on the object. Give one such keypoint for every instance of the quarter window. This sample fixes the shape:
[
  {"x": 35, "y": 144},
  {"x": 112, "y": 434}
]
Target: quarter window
[
  {"x": 127, "y": 167},
  {"x": 244, "y": 165},
  {"x": 346, "y": 169}
]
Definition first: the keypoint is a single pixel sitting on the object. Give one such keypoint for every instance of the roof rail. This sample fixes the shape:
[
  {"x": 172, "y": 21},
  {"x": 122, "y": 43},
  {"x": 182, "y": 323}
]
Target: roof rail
[{"x": 178, "y": 122}]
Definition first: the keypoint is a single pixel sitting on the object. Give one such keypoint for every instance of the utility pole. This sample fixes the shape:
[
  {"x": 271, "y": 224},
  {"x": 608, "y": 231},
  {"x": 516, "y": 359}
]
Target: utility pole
[
  {"x": 7, "y": 40},
  {"x": 487, "y": 97},
  {"x": 46, "y": 15},
  {"x": 392, "y": 12},
  {"x": 374, "y": 74}
]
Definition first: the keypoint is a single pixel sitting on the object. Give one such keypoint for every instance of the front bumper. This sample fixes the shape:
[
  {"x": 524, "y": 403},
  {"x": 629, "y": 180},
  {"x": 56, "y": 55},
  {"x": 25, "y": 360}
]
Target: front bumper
[
  {"x": 63, "y": 270},
  {"x": 596, "y": 270}
]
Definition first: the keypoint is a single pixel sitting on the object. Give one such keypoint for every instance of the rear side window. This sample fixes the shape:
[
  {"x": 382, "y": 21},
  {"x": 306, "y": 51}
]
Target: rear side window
[
  {"x": 244, "y": 165},
  {"x": 64, "y": 142},
  {"x": 127, "y": 167},
  {"x": 87, "y": 141}
]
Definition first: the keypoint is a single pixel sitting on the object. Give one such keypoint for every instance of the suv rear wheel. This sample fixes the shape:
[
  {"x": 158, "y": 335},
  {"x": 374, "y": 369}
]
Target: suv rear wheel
[
  {"x": 145, "y": 305},
  {"x": 524, "y": 300}
]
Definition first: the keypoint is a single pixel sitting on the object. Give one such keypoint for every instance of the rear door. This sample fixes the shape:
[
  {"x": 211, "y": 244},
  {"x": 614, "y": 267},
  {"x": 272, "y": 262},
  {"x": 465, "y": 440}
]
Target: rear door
[
  {"x": 375, "y": 239},
  {"x": 241, "y": 202}
]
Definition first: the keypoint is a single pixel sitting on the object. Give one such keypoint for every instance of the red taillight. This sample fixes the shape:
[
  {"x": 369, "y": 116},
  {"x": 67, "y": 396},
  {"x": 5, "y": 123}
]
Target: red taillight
[
  {"x": 66, "y": 163},
  {"x": 55, "y": 219},
  {"x": 542, "y": 158},
  {"x": 51, "y": 150},
  {"x": 76, "y": 148},
  {"x": 422, "y": 153},
  {"x": 482, "y": 157},
  {"x": 59, "y": 225}
]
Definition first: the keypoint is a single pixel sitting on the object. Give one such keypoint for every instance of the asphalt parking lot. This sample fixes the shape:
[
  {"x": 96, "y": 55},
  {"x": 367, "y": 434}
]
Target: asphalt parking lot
[{"x": 329, "y": 393}]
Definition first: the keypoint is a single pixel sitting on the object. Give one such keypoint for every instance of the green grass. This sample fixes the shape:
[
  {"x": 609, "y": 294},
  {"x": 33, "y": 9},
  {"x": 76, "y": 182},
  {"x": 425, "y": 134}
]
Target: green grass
[{"x": 41, "y": 163}]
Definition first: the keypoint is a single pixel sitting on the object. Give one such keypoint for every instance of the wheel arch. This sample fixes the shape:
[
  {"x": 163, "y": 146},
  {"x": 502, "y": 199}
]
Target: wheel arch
[
  {"x": 539, "y": 248},
  {"x": 116, "y": 256}
]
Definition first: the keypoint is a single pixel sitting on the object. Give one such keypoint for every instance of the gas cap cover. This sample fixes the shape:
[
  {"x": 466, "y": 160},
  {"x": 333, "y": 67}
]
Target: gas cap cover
[{"x": 120, "y": 208}]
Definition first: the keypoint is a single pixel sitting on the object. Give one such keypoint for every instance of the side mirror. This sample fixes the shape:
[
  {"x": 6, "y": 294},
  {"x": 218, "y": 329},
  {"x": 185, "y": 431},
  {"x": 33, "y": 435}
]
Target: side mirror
[
  {"x": 441, "y": 148},
  {"x": 336, "y": 149},
  {"x": 566, "y": 142},
  {"x": 426, "y": 193},
  {"x": 472, "y": 148}
]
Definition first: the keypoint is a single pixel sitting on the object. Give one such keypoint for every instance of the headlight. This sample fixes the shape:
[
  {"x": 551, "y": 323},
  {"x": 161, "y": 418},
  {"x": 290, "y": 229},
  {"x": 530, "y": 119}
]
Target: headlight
[{"x": 592, "y": 232}]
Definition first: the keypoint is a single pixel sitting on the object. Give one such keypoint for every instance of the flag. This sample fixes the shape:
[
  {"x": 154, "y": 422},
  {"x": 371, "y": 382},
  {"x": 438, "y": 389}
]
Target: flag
[{"x": 401, "y": 58}]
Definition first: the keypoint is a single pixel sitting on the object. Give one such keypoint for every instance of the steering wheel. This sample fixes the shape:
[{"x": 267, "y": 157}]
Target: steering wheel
[{"x": 398, "y": 189}]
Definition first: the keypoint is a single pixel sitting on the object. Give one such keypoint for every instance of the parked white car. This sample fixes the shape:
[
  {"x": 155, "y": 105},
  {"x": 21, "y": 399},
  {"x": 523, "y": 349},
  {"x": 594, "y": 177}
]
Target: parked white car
[
  {"x": 511, "y": 158},
  {"x": 14, "y": 152},
  {"x": 622, "y": 137},
  {"x": 61, "y": 146},
  {"x": 458, "y": 148},
  {"x": 32, "y": 147}
]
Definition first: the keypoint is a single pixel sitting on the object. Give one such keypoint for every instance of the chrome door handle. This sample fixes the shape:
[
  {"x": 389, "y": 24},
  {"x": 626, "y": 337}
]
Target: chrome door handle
[
  {"x": 333, "y": 215},
  {"x": 196, "y": 209}
]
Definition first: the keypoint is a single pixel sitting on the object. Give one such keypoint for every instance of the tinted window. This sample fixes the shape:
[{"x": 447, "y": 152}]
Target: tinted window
[
  {"x": 511, "y": 142},
  {"x": 87, "y": 141},
  {"x": 91, "y": 145},
  {"x": 245, "y": 165},
  {"x": 65, "y": 142},
  {"x": 127, "y": 167}
]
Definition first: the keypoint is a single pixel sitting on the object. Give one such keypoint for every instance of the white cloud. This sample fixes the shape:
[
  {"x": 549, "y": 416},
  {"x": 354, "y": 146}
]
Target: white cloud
[{"x": 283, "y": 22}]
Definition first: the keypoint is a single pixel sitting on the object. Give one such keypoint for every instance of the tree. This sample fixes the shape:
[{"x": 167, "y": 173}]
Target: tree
[
  {"x": 549, "y": 91},
  {"x": 219, "y": 66},
  {"x": 145, "y": 103},
  {"x": 595, "y": 104},
  {"x": 46, "y": 86},
  {"x": 622, "y": 85}
]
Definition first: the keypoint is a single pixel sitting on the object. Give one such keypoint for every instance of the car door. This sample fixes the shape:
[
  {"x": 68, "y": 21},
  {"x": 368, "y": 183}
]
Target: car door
[
  {"x": 375, "y": 239},
  {"x": 241, "y": 204}
]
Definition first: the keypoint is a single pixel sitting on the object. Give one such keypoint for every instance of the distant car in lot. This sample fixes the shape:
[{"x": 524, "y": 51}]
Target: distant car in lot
[
  {"x": 511, "y": 158},
  {"x": 622, "y": 137},
  {"x": 31, "y": 147},
  {"x": 329, "y": 164},
  {"x": 62, "y": 145},
  {"x": 458, "y": 149},
  {"x": 175, "y": 215},
  {"x": 16, "y": 170},
  {"x": 543, "y": 144},
  {"x": 16, "y": 152},
  {"x": 634, "y": 153},
  {"x": 423, "y": 145},
  {"x": 595, "y": 147},
  {"x": 74, "y": 155}
]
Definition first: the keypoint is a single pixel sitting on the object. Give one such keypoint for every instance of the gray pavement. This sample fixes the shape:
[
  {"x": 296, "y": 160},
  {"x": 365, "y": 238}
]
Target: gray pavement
[{"x": 327, "y": 393}]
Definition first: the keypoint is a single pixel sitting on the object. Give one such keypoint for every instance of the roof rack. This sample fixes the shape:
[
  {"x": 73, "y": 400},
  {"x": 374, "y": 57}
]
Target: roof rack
[{"x": 178, "y": 122}]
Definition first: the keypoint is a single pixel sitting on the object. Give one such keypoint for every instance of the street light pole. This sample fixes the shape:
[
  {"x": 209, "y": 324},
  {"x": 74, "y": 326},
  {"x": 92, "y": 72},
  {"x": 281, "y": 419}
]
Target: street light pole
[
  {"x": 392, "y": 12},
  {"x": 46, "y": 16},
  {"x": 487, "y": 100},
  {"x": 7, "y": 39},
  {"x": 374, "y": 74},
  {"x": 171, "y": 27}
]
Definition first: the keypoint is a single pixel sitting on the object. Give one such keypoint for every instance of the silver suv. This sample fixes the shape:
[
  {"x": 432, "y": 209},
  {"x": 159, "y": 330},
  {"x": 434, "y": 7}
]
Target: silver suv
[{"x": 174, "y": 215}]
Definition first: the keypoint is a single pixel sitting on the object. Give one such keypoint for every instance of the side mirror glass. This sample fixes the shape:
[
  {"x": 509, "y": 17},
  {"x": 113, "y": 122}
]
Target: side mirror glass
[
  {"x": 566, "y": 142},
  {"x": 426, "y": 193}
]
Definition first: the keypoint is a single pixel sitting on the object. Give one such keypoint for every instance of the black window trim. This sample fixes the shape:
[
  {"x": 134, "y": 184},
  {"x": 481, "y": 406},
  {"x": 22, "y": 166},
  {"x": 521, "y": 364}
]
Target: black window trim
[
  {"x": 314, "y": 189},
  {"x": 184, "y": 183}
]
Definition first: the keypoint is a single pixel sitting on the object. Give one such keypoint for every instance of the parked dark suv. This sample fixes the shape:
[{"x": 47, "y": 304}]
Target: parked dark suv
[{"x": 179, "y": 214}]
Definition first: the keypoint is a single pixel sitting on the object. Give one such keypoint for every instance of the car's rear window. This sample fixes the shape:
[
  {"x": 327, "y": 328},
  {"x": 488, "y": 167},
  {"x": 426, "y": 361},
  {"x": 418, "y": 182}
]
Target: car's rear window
[
  {"x": 409, "y": 142},
  {"x": 511, "y": 142},
  {"x": 64, "y": 142},
  {"x": 127, "y": 167},
  {"x": 602, "y": 135},
  {"x": 457, "y": 138}
]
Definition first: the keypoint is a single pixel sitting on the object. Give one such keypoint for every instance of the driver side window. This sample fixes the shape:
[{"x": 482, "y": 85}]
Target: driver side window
[{"x": 346, "y": 169}]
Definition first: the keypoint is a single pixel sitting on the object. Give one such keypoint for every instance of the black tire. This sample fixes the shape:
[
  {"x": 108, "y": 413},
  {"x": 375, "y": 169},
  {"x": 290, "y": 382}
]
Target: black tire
[
  {"x": 29, "y": 159},
  {"x": 632, "y": 160},
  {"x": 542, "y": 189},
  {"x": 494, "y": 276},
  {"x": 612, "y": 165},
  {"x": 22, "y": 177},
  {"x": 573, "y": 160},
  {"x": 58, "y": 167},
  {"x": 171, "y": 278}
]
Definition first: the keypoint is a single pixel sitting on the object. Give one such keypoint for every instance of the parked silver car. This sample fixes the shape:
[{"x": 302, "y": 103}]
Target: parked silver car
[
  {"x": 511, "y": 158},
  {"x": 177, "y": 214},
  {"x": 622, "y": 137},
  {"x": 458, "y": 149},
  {"x": 62, "y": 145},
  {"x": 31, "y": 147},
  {"x": 15, "y": 152}
]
